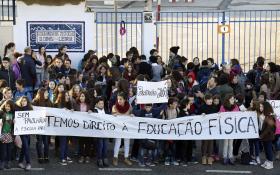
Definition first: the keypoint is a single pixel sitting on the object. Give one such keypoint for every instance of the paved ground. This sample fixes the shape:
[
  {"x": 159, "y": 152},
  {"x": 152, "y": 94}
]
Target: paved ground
[{"x": 89, "y": 169}]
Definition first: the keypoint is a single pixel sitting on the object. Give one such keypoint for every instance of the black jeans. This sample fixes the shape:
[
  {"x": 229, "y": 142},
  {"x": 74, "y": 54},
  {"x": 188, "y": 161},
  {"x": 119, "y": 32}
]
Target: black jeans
[
  {"x": 236, "y": 146},
  {"x": 42, "y": 141},
  {"x": 135, "y": 148},
  {"x": 84, "y": 144},
  {"x": 6, "y": 152},
  {"x": 185, "y": 150}
]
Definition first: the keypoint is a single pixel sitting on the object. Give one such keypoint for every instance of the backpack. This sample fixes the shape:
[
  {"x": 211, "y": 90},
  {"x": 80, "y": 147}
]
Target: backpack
[
  {"x": 245, "y": 158},
  {"x": 258, "y": 80},
  {"x": 204, "y": 77},
  {"x": 242, "y": 79},
  {"x": 203, "y": 83},
  {"x": 149, "y": 144}
]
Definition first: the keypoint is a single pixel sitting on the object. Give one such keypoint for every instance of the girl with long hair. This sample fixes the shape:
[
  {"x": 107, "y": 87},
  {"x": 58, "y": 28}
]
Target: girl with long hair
[
  {"x": 267, "y": 133},
  {"x": 121, "y": 108},
  {"x": 84, "y": 142},
  {"x": 23, "y": 104},
  {"x": 63, "y": 101},
  {"x": 229, "y": 105},
  {"x": 42, "y": 99},
  {"x": 7, "y": 115}
]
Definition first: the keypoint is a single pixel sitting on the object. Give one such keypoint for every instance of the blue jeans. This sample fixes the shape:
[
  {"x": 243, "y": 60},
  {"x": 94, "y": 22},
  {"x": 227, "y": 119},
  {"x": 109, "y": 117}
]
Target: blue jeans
[
  {"x": 141, "y": 154},
  {"x": 6, "y": 152},
  {"x": 42, "y": 140},
  {"x": 277, "y": 142},
  {"x": 254, "y": 147},
  {"x": 170, "y": 151},
  {"x": 268, "y": 150},
  {"x": 25, "y": 150},
  {"x": 102, "y": 148},
  {"x": 63, "y": 145}
]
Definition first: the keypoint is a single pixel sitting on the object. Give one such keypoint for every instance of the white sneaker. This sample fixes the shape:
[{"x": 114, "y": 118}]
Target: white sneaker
[
  {"x": 21, "y": 165},
  {"x": 28, "y": 167},
  {"x": 264, "y": 164},
  {"x": 253, "y": 162},
  {"x": 269, "y": 165}
]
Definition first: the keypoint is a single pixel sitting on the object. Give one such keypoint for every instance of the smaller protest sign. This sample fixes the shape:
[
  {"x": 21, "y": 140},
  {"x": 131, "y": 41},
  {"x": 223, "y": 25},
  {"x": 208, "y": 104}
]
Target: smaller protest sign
[
  {"x": 30, "y": 122},
  {"x": 152, "y": 92}
]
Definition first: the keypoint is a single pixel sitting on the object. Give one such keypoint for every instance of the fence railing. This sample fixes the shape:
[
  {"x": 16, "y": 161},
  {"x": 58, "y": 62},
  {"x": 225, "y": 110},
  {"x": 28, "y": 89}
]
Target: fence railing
[
  {"x": 108, "y": 40},
  {"x": 252, "y": 34}
]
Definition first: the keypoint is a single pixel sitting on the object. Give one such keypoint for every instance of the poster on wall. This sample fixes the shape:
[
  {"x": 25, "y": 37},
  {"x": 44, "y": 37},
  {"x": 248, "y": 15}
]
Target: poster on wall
[{"x": 54, "y": 34}]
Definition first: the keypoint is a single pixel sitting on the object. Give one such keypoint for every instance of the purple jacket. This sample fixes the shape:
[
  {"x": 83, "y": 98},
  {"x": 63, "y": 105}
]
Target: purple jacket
[{"x": 16, "y": 70}]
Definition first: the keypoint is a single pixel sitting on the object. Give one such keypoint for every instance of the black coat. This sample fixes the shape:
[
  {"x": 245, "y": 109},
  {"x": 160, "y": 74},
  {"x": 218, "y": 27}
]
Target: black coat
[
  {"x": 53, "y": 71},
  {"x": 145, "y": 69},
  {"x": 28, "y": 70},
  {"x": 9, "y": 76},
  {"x": 208, "y": 109}
]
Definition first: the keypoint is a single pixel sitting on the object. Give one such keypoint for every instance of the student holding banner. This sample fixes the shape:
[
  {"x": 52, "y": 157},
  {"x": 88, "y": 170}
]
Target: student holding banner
[
  {"x": 185, "y": 147},
  {"x": 63, "y": 101},
  {"x": 207, "y": 145},
  {"x": 42, "y": 99},
  {"x": 228, "y": 106},
  {"x": 268, "y": 128},
  {"x": 254, "y": 144},
  {"x": 148, "y": 145},
  {"x": 23, "y": 104},
  {"x": 6, "y": 137},
  {"x": 102, "y": 143},
  {"x": 123, "y": 108},
  {"x": 84, "y": 142},
  {"x": 171, "y": 112}
]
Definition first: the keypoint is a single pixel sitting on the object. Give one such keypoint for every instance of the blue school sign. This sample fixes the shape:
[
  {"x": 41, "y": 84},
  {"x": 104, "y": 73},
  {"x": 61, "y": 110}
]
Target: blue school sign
[{"x": 53, "y": 34}]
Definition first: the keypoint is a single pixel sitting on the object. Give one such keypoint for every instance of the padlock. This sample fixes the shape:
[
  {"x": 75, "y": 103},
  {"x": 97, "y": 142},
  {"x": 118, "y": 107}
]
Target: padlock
[{"x": 122, "y": 28}]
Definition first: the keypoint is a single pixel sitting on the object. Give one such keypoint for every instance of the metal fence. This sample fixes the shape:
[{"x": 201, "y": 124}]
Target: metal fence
[
  {"x": 252, "y": 34},
  {"x": 8, "y": 11},
  {"x": 108, "y": 22}
]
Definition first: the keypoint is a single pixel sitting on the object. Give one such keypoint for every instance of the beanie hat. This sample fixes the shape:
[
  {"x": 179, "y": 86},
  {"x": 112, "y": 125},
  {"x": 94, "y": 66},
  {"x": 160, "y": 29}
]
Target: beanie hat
[{"x": 175, "y": 49}]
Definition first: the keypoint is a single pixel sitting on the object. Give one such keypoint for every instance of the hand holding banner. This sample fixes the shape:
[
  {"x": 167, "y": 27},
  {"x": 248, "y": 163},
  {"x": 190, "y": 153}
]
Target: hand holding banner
[
  {"x": 152, "y": 92},
  {"x": 1, "y": 124}
]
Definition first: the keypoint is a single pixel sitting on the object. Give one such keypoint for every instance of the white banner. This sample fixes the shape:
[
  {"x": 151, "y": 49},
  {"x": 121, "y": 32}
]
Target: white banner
[
  {"x": 152, "y": 92},
  {"x": 61, "y": 122}
]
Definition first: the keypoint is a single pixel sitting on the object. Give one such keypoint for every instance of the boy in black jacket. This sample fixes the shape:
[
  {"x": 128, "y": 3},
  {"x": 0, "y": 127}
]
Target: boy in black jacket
[
  {"x": 150, "y": 112},
  {"x": 207, "y": 145},
  {"x": 102, "y": 142}
]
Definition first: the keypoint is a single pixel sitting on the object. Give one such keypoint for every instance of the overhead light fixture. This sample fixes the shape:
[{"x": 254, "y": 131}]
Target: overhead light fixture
[{"x": 109, "y": 2}]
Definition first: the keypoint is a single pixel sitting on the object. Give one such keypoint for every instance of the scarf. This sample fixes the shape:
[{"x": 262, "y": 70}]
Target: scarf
[{"x": 122, "y": 109}]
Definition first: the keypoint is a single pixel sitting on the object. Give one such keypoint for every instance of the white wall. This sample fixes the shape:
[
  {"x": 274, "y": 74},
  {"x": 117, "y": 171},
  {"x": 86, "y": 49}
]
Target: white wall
[
  {"x": 6, "y": 35},
  {"x": 54, "y": 13}
]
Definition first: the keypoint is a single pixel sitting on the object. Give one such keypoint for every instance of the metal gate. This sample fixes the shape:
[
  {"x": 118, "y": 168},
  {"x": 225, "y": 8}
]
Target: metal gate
[
  {"x": 108, "y": 37},
  {"x": 252, "y": 34}
]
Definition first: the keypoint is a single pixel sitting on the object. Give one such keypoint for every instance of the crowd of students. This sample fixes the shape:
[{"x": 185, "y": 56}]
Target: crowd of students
[{"x": 108, "y": 85}]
